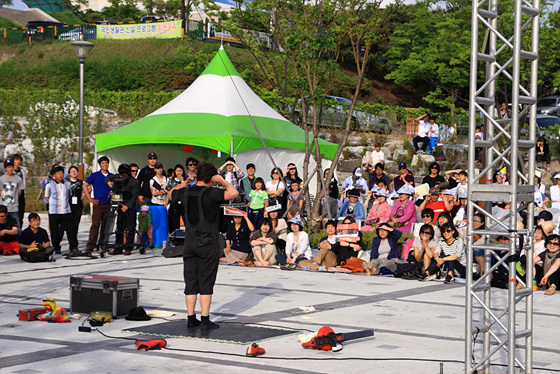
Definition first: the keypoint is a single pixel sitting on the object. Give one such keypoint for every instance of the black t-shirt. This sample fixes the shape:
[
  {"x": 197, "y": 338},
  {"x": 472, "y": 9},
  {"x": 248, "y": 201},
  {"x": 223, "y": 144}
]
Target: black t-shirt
[
  {"x": 374, "y": 179},
  {"x": 433, "y": 181},
  {"x": 144, "y": 177},
  {"x": 239, "y": 238},
  {"x": 28, "y": 236},
  {"x": 333, "y": 189},
  {"x": 211, "y": 200},
  {"x": 76, "y": 188},
  {"x": 8, "y": 225}
]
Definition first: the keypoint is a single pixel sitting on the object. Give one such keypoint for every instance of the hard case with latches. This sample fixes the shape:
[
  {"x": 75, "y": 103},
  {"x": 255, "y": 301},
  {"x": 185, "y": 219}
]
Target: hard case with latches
[{"x": 89, "y": 293}]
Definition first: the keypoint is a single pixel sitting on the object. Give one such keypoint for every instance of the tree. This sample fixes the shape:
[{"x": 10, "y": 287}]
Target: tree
[
  {"x": 6, "y": 3},
  {"x": 433, "y": 50},
  {"x": 308, "y": 36},
  {"x": 121, "y": 9}
]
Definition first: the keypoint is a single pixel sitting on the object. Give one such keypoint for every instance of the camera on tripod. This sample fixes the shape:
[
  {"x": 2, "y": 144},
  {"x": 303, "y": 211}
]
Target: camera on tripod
[{"x": 117, "y": 191}]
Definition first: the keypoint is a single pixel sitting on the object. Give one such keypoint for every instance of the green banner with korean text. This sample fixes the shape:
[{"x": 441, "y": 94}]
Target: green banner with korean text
[{"x": 162, "y": 30}]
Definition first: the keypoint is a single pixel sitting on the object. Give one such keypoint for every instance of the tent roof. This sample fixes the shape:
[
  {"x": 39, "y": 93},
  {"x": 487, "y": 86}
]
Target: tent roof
[{"x": 213, "y": 112}]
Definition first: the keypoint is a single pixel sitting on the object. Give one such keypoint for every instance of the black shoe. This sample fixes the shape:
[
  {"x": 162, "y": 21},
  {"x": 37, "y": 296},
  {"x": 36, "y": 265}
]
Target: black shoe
[
  {"x": 116, "y": 251},
  {"x": 192, "y": 323},
  {"x": 410, "y": 276},
  {"x": 57, "y": 251},
  {"x": 449, "y": 279},
  {"x": 209, "y": 325},
  {"x": 75, "y": 253},
  {"x": 422, "y": 276},
  {"x": 151, "y": 247},
  {"x": 88, "y": 252}
]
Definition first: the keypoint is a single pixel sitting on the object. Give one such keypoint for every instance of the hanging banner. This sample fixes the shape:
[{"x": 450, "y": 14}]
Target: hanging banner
[
  {"x": 161, "y": 30},
  {"x": 220, "y": 35}
]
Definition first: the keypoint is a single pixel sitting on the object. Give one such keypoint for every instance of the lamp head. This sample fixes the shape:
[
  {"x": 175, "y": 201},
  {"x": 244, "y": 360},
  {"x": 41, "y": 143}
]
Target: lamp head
[{"x": 82, "y": 48}]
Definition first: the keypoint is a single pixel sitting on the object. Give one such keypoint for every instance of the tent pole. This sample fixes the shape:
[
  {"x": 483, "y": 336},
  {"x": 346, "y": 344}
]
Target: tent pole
[{"x": 231, "y": 147}]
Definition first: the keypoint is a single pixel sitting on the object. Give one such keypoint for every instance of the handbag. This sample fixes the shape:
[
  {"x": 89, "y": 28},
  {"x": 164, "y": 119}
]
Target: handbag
[{"x": 354, "y": 264}]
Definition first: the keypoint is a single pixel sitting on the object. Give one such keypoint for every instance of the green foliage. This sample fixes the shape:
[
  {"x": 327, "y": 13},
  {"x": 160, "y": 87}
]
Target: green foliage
[
  {"x": 6, "y": 2},
  {"x": 122, "y": 9},
  {"x": 6, "y": 23},
  {"x": 67, "y": 17}
]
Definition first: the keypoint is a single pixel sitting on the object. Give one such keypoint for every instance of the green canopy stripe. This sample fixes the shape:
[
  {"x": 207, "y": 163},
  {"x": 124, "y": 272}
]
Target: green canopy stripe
[
  {"x": 211, "y": 131},
  {"x": 220, "y": 65}
]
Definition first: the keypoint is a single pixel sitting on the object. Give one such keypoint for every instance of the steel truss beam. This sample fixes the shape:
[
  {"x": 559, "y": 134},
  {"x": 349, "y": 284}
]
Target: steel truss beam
[{"x": 503, "y": 332}]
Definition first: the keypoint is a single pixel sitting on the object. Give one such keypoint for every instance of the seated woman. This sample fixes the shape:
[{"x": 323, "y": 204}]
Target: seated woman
[
  {"x": 352, "y": 207},
  {"x": 403, "y": 214},
  {"x": 325, "y": 257},
  {"x": 279, "y": 226},
  {"x": 238, "y": 245},
  {"x": 423, "y": 249},
  {"x": 547, "y": 265},
  {"x": 427, "y": 219},
  {"x": 449, "y": 252},
  {"x": 297, "y": 245},
  {"x": 344, "y": 249},
  {"x": 384, "y": 252},
  {"x": 263, "y": 243},
  {"x": 379, "y": 212}
]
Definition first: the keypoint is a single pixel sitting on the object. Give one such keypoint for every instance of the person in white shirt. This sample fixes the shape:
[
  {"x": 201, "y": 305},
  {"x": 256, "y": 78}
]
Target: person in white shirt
[
  {"x": 555, "y": 193},
  {"x": 423, "y": 133},
  {"x": 377, "y": 156},
  {"x": 433, "y": 134}
]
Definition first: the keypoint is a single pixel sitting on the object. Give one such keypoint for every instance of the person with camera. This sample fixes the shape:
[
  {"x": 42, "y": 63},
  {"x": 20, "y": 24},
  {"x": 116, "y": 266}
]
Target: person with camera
[
  {"x": 201, "y": 251},
  {"x": 126, "y": 185}
]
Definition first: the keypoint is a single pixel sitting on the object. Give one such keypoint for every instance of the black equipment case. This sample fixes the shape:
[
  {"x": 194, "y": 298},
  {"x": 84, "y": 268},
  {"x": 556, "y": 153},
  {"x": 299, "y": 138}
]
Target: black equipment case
[{"x": 90, "y": 293}]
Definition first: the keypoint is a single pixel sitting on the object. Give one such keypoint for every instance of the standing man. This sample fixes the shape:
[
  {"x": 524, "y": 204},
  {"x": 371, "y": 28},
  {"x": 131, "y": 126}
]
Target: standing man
[
  {"x": 248, "y": 183},
  {"x": 126, "y": 216},
  {"x": 423, "y": 133},
  {"x": 144, "y": 177},
  {"x": 134, "y": 171},
  {"x": 232, "y": 174},
  {"x": 57, "y": 193},
  {"x": 11, "y": 187},
  {"x": 101, "y": 205},
  {"x": 21, "y": 172},
  {"x": 201, "y": 251}
]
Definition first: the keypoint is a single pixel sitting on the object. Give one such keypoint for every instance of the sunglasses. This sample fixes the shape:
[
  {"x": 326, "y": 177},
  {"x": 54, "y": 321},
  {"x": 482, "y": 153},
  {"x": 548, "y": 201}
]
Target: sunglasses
[
  {"x": 449, "y": 230},
  {"x": 134, "y": 171},
  {"x": 426, "y": 215},
  {"x": 554, "y": 243},
  {"x": 152, "y": 158},
  {"x": 275, "y": 173},
  {"x": 425, "y": 232},
  {"x": 434, "y": 167},
  {"x": 192, "y": 165}
]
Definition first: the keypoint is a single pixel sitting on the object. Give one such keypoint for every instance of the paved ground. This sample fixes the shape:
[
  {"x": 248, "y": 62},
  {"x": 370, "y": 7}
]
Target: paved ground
[{"x": 417, "y": 325}]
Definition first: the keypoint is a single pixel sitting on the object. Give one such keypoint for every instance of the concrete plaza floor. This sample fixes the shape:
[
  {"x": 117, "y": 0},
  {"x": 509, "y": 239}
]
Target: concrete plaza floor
[{"x": 417, "y": 325}]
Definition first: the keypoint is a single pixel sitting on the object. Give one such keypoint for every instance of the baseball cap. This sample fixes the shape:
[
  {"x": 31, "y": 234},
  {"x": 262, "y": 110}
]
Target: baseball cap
[
  {"x": 402, "y": 165},
  {"x": 158, "y": 165},
  {"x": 152, "y": 155},
  {"x": 434, "y": 191},
  {"x": 144, "y": 208},
  {"x": 8, "y": 162},
  {"x": 358, "y": 171},
  {"x": 354, "y": 192}
]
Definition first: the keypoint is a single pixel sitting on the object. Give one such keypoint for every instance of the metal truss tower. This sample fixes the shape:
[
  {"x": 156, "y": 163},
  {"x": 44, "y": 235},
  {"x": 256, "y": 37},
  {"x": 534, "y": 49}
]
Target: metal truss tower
[{"x": 505, "y": 322}]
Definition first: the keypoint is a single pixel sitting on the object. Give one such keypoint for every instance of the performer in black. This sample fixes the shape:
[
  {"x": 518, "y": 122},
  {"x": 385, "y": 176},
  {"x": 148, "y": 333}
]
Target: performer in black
[{"x": 201, "y": 252}]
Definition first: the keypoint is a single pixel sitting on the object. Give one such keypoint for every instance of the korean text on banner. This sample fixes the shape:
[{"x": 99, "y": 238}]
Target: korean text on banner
[{"x": 162, "y": 30}]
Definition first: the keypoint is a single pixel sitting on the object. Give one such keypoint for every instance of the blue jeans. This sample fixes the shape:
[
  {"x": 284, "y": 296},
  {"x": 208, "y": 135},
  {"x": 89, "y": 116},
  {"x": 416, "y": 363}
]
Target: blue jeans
[{"x": 282, "y": 259}]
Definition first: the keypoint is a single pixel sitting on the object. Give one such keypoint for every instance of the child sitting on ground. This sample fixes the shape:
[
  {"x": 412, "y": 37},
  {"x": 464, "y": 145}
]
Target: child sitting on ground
[{"x": 145, "y": 227}]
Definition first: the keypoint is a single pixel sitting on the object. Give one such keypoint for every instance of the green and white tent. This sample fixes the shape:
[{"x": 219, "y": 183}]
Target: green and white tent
[{"x": 211, "y": 115}]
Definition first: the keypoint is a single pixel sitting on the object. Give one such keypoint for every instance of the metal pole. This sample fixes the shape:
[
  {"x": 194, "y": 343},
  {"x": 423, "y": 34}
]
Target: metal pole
[{"x": 81, "y": 137}]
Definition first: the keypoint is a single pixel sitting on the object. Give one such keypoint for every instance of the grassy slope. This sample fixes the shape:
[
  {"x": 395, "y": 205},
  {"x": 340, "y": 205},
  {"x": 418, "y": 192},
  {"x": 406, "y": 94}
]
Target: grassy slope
[{"x": 146, "y": 64}]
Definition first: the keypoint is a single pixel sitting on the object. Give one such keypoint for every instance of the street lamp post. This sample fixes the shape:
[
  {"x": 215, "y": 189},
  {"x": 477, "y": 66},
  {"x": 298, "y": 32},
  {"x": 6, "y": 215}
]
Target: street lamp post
[{"x": 81, "y": 49}]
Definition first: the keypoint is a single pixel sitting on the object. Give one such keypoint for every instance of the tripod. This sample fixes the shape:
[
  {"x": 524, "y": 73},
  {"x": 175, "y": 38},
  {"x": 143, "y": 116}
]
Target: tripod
[{"x": 104, "y": 246}]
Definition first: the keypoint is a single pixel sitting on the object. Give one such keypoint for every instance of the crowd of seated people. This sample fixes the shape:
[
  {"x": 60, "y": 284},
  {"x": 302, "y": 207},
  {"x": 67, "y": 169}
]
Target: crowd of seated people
[{"x": 433, "y": 222}]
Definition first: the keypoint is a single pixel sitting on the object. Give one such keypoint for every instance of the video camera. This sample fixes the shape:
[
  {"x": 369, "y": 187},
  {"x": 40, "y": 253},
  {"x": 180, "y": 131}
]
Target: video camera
[{"x": 117, "y": 191}]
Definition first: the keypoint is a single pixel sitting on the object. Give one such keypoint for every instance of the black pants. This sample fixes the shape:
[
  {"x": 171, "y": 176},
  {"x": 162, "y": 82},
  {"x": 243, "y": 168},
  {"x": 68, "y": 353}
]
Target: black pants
[
  {"x": 125, "y": 222},
  {"x": 553, "y": 279},
  {"x": 21, "y": 207},
  {"x": 544, "y": 158},
  {"x": 174, "y": 216},
  {"x": 58, "y": 224},
  {"x": 425, "y": 142},
  {"x": 76, "y": 217},
  {"x": 448, "y": 266},
  {"x": 200, "y": 268}
]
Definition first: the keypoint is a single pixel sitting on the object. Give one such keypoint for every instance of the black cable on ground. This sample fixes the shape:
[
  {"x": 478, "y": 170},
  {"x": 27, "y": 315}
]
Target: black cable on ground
[{"x": 321, "y": 358}]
